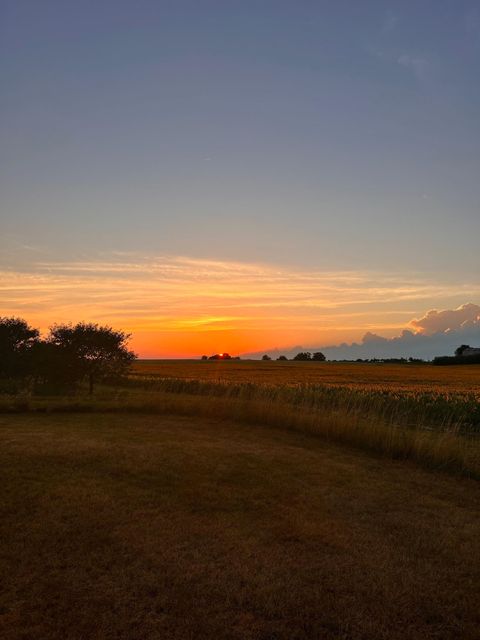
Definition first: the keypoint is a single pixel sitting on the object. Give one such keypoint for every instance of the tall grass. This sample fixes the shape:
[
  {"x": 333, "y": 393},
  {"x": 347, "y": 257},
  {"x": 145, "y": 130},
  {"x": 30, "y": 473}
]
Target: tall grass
[
  {"x": 337, "y": 415},
  {"x": 408, "y": 407}
]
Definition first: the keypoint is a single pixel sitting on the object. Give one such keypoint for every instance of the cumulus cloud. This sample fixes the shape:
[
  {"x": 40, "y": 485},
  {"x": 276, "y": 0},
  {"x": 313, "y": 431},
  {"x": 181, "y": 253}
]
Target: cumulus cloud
[
  {"x": 436, "y": 333},
  {"x": 448, "y": 320}
]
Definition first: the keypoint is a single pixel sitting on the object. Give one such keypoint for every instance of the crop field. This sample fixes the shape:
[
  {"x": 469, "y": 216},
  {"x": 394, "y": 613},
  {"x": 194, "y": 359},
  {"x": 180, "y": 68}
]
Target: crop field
[
  {"x": 379, "y": 376},
  {"x": 157, "y": 527}
]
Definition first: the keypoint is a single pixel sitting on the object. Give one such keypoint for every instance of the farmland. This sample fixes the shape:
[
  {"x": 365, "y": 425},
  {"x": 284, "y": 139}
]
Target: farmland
[{"x": 398, "y": 377}]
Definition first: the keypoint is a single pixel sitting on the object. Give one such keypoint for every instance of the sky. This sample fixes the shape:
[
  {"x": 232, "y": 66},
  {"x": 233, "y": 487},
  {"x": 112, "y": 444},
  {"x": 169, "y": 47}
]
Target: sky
[{"x": 239, "y": 175}]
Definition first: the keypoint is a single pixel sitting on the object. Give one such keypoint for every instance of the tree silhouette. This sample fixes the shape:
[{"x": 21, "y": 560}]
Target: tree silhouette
[
  {"x": 16, "y": 342},
  {"x": 266, "y": 357},
  {"x": 459, "y": 350},
  {"x": 318, "y": 356},
  {"x": 303, "y": 355},
  {"x": 90, "y": 351},
  {"x": 51, "y": 368}
]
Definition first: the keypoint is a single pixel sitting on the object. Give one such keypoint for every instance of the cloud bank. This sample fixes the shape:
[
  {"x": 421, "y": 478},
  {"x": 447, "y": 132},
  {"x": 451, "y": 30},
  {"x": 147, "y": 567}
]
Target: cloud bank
[
  {"x": 436, "y": 333},
  {"x": 465, "y": 317}
]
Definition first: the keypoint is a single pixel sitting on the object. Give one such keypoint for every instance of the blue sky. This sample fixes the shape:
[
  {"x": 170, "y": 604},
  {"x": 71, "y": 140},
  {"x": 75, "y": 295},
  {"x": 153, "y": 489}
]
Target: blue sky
[{"x": 338, "y": 136}]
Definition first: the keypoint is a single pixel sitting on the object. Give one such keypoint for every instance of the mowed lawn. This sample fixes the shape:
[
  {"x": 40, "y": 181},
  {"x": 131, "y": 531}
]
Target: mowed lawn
[{"x": 128, "y": 526}]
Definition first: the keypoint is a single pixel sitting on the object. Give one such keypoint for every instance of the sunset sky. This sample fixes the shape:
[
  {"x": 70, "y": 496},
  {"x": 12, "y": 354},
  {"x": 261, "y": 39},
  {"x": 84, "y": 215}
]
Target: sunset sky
[{"x": 239, "y": 175}]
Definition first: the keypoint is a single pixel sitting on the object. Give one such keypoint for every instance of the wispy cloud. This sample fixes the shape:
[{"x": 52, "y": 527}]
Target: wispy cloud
[
  {"x": 472, "y": 21},
  {"x": 418, "y": 65},
  {"x": 170, "y": 297},
  {"x": 390, "y": 22}
]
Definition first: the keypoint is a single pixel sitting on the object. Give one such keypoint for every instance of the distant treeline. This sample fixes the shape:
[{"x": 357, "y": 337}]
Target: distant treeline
[
  {"x": 464, "y": 354},
  {"x": 306, "y": 356},
  {"x": 68, "y": 356},
  {"x": 446, "y": 360},
  {"x": 303, "y": 356},
  {"x": 386, "y": 360}
]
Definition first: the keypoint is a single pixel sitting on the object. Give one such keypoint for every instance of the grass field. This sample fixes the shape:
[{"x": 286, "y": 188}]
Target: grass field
[
  {"x": 417, "y": 412},
  {"x": 159, "y": 527}
]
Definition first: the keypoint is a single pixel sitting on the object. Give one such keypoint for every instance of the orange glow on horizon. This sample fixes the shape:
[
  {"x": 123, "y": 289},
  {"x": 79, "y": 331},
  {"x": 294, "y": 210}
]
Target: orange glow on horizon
[{"x": 181, "y": 307}]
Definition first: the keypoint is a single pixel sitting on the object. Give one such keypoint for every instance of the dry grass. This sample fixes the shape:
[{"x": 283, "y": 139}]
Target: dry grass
[
  {"x": 401, "y": 377},
  {"x": 380, "y": 410},
  {"x": 416, "y": 411},
  {"x": 129, "y": 527},
  {"x": 445, "y": 450}
]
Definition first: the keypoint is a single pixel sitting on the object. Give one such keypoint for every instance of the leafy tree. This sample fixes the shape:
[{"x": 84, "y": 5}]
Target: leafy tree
[
  {"x": 90, "y": 351},
  {"x": 282, "y": 358},
  {"x": 16, "y": 341},
  {"x": 204, "y": 358},
  {"x": 51, "y": 369},
  {"x": 303, "y": 355},
  {"x": 266, "y": 357},
  {"x": 318, "y": 356},
  {"x": 459, "y": 350}
]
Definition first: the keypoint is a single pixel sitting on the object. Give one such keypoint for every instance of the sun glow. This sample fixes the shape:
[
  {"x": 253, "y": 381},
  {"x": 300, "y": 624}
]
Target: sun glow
[{"x": 181, "y": 307}]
